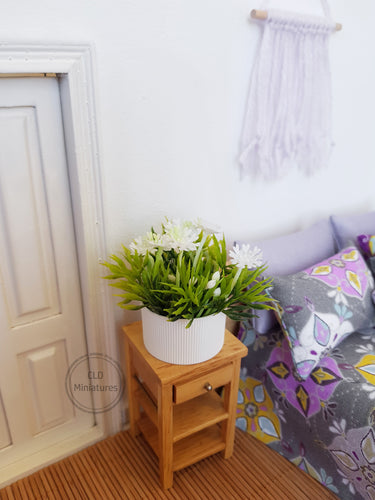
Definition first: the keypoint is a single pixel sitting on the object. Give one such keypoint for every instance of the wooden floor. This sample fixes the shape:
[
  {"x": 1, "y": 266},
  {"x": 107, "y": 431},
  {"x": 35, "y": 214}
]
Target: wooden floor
[{"x": 122, "y": 467}]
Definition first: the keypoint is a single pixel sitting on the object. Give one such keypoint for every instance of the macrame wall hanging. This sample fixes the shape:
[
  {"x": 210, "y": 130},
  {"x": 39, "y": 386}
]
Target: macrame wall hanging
[{"x": 288, "y": 116}]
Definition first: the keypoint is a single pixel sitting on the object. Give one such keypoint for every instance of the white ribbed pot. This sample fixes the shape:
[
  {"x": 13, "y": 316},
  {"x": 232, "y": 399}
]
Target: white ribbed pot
[{"x": 172, "y": 342}]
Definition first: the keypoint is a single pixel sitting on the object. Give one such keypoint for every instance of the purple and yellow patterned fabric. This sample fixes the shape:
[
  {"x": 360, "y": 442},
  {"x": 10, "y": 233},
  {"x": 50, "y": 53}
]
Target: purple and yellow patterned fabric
[
  {"x": 325, "y": 424},
  {"x": 318, "y": 307},
  {"x": 367, "y": 244}
]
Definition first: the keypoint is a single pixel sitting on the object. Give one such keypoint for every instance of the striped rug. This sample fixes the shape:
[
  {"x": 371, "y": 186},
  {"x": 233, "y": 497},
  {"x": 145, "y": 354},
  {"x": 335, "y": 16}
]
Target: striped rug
[{"x": 121, "y": 467}]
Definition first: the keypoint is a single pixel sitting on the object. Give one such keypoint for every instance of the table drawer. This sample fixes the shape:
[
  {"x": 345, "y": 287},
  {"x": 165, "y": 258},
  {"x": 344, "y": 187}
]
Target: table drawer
[{"x": 200, "y": 385}]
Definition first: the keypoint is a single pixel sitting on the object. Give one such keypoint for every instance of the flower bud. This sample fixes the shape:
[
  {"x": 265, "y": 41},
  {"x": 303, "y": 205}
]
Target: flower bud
[
  {"x": 211, "y": 284},
  {"x": 216, "y": 276}
]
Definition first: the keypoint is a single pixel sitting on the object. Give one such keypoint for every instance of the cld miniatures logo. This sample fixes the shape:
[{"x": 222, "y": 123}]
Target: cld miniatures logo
[{"x": 94, "y": 383}]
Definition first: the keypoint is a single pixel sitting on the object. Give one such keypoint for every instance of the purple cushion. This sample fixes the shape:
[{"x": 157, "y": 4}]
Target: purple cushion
[
  {"x": 291, "y": 253},
  {"x": 346, "y": 228}
]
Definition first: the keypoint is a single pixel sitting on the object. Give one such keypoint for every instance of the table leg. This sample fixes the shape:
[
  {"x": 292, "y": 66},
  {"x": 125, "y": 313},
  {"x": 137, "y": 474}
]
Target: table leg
[
  {"x": 134, "y": 413},
  {"x": 165, "y": 426},
  {"x": 230, "y": 404}
]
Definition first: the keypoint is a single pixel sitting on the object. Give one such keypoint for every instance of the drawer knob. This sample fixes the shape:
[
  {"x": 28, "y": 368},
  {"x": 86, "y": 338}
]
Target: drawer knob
[{"x": 208, "y": 387}]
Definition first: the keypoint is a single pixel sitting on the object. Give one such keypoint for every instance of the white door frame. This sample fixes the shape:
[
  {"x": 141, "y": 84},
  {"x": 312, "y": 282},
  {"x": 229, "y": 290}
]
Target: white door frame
[{"x": 74, "y": 66}]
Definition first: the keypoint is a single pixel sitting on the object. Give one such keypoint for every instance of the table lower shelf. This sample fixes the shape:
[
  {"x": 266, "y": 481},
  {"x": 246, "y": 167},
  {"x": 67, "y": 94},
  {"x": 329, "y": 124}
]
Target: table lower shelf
[
  {"x": 189, "y": 450},
  {"x": 203, "y": 411}
]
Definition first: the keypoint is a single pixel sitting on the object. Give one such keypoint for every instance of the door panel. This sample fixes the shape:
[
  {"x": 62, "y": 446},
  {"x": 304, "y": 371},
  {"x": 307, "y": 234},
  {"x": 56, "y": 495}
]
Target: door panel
[
  {"x": 26, "y": 243},
  {"x": 42, "y": 327},
  {"x": 43, "y": 372}
]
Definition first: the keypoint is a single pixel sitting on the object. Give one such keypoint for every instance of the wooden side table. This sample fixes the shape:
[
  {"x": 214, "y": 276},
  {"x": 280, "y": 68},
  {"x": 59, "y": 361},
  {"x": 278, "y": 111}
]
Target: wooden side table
[{"x": 176, "y": 407}]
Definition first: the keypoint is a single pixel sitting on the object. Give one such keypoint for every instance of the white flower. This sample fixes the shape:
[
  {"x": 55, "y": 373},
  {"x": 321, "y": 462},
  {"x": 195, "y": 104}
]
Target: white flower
[
  {"x": 137, "y": 245},
  {"x": 208, "y": 228},
  {"x": 180, "y": 236},
  {"x": 165, "y": 244},
  {"x": 364, "y": 349},
  {"x": 213, "y": 281},
  {"x": 149, "y": 243},
  {"x": 216, "y": 276},
  {"x": 338, "y": 295},
  {"x": 246, "y": 257},
  {"x": 347, "y": 481},
  {"x": 217, "y": 292},
  {"x": 370, "y": 389},
  {"x": 211, "y": 284},
  {"x": 338, "y": 427}
]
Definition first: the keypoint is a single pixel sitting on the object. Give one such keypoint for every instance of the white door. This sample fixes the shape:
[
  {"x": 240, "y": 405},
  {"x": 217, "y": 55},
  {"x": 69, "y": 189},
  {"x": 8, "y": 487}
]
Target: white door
[{"x": 41, "y": 319}]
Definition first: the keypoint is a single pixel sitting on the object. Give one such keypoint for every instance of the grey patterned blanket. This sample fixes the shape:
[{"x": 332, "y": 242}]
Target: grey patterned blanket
[{"x": 324, "y": 424}]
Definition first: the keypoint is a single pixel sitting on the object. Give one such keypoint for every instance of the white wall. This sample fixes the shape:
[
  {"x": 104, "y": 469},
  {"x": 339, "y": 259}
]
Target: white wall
[{"x": 172, "y": 79}]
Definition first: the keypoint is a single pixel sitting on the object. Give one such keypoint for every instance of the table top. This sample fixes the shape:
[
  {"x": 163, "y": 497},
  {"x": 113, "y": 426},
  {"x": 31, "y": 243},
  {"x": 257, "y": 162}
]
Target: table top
[{"x": 171, "y": 373}]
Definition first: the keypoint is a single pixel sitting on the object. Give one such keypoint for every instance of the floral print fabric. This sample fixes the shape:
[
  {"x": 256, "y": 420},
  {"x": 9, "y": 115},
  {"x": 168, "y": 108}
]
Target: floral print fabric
[
  {"x": 324, "y": 424},
  {"x": 318, "y": 307},
  {"x": 367, "y": 244},
  {"x": 255, "y": 411}
]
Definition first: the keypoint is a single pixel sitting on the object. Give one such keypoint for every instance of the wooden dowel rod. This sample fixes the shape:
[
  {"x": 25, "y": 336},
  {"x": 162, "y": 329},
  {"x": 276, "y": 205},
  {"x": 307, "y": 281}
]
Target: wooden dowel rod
[
  {"x": 263, "y": 14},
  {"x": 259, "y": 14}
]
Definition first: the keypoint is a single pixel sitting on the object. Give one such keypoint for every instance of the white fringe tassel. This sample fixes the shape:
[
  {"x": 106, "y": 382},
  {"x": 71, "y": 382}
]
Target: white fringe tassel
[{"x": 288, "y": 118}]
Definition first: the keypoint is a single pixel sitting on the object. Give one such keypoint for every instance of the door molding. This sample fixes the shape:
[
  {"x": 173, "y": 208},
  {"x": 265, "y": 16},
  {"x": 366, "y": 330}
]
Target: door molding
[{"x": 74, "y": 65}]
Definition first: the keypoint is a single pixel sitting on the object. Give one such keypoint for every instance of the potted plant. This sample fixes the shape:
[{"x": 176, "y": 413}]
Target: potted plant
[{"x": 182, "y": 281}]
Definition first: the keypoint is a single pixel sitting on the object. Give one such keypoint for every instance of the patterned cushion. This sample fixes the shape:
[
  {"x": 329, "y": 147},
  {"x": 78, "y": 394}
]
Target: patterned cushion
[
  {"x": 291, "y": 253},
  {"x": 320, "y": 306},
  {"x": 367, "y": 244}
]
